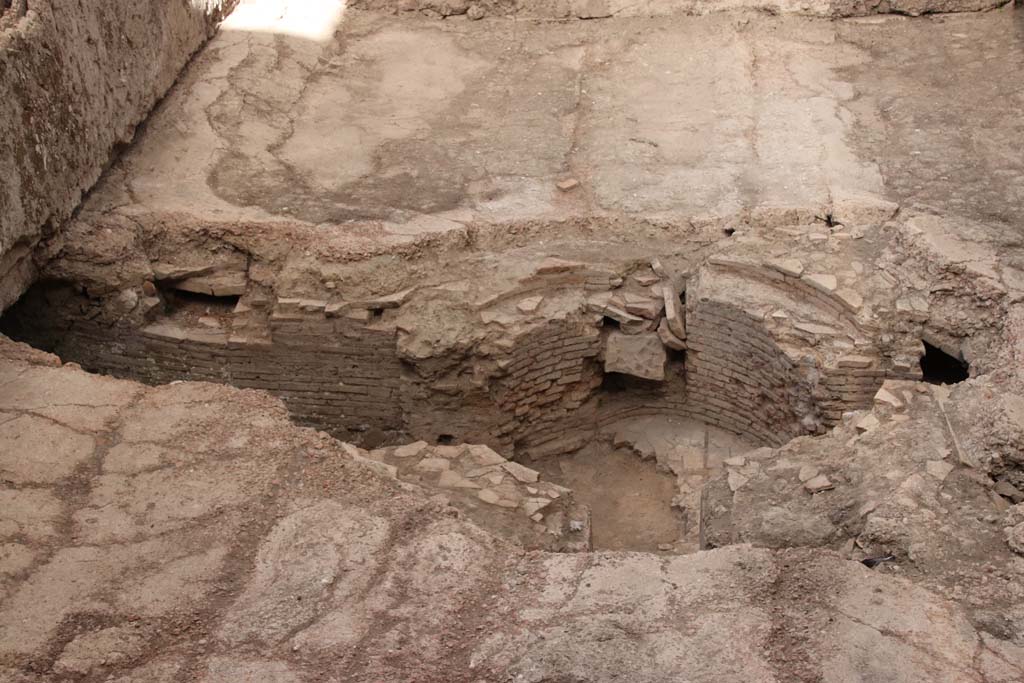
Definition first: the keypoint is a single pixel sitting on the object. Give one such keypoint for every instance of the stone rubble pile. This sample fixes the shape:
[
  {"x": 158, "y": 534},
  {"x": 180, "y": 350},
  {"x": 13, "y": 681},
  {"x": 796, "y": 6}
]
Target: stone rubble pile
[{"x": 471, "y": 475}]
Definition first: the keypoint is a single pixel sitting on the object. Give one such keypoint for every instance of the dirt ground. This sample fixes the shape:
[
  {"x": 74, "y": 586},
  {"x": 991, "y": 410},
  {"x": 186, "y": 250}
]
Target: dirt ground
[{"x": 630, "y": 501}]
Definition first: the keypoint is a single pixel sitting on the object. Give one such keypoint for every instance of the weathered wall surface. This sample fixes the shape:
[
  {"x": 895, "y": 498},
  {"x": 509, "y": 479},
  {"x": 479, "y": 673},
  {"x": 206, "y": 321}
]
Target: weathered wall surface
[
  {"x": 76, "y": 77},
  {"x": 598, "y": 9}
]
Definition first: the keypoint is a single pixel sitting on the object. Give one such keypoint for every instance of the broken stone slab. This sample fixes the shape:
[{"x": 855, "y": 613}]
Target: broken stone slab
[
  {"x": 433, "y": 465},
  {"x": 818, "y": 484},
  {"x": 790, "y": 266},
  {"x": 807, "y": 472},
  {"x": 639, "y": 355},
  {"x": 169, "y": 271},
  {"x": 530, "y": 304},
  {"x": 409, "y": 450},
  {"x": 939, "y": 469},
  {"x": 567, "y": 185},
  {"x": 389, "y": 471},
  {"x": 668, "y": 339},
  {"x": 861, "y": 362},
  {"x": 816, "y": 329},
  {"x": 823, "y": 282},
  {"x": 736, "y": 481},
  {"x": 521, "y": 473},
  {"x": 488, "y": 496},
  {"x": 1008, "y": 490},
  {"x": 216, "y": 284},
  {"x": 532, "y": 506},
  {"x": 645, "y": 280},
  {"x": 885, "y": 397},
  {"x": 867, "y": 423},
  {"x": 484, "y": 455},
  {"x": 497, "y": 317},
  {"x": 643, "y": 306},
  {"x": 449, "y": 452},
  {"x": 674, "y": 312},
  {"x": 658, "y": 268},
  {"x": 388, "y": 301},
  {"x": 454, "y": 480},
  {"x": 850, "y": 299}
]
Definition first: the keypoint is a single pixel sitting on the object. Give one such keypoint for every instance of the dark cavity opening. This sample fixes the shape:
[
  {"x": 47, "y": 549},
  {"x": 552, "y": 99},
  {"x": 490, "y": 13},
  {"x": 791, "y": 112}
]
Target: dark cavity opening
[
  {"x": 938, "y": 367},
  {"x": 178, "y": 299}
]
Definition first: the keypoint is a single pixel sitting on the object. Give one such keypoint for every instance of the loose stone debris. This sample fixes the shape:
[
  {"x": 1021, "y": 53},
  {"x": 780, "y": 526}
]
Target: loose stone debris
[{"x": 466, "y": 341}]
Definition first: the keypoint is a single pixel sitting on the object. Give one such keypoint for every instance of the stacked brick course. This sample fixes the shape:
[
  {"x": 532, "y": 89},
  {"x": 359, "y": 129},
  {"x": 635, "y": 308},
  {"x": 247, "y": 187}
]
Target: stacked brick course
[
  {"x": 739, "y": 379},
  {"x": 551, "y": 374}
]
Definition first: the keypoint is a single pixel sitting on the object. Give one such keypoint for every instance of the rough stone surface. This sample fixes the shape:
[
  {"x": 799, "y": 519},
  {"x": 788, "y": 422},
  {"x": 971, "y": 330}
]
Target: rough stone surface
[
  {"x": 320, "y": 555},
  {"x": 638, "y": 355}
]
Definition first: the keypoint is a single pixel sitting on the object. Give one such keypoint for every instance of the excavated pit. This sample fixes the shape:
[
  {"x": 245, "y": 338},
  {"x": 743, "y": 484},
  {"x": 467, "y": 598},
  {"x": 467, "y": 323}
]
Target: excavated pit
[
  {"x": 627, "y": 396},
  {"x": 377, "y": 309}
]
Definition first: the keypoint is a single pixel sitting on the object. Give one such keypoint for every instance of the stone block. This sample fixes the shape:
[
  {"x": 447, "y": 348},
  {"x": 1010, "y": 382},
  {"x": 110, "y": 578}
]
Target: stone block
[
  {"x": 639, "y": 355},
  {"x": 668, "y": 338},
  {"x": 674, "y": 312}
]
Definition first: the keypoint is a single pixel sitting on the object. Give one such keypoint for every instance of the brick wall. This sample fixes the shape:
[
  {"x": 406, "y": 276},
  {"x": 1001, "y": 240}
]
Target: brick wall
[
  {"x": 551, "y": 373},
  {"x": 739, "y": 379}
]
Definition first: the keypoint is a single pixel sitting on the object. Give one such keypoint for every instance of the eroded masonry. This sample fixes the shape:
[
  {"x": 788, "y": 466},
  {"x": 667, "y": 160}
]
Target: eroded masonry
[{"x": 471, "y": 341}]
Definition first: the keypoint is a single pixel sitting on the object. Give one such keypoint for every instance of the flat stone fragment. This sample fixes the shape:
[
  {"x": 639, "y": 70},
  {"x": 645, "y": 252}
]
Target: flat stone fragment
[
  {"x": 939, "y": 469},
  {"x": 453, "y": 480},
  {"x": 488, "y": 496},
  {"x": 818, "y": 484},
  {"x": 640, "y": 355},
  {"x": 669, "y": 339},
  {"x": 867, "y": 423},
  {"x": 885, "y": 397},
  {"x": 851, "y": 299},
  {"x": 736, "y": 481},
  {"x": 674, "y": 312},
  {"x": 484, "y": 455},
  {"x": 1008, "y": 490},
  {"x": 531, "y": 506},
  {"x": 217, "y": 284},
  {"x": 644, "y": 307},
  {"x": 567, "y": 184},
  {"x": 521, "y": 473},
  {"x": 433, "y": 464},
  {"x": 410, "y": 449},
  {"x": 791, "y": 266},
  {"x": 822, "y": 282},
  {"x": 530, "y": 304},
  {"x": 807, "y": 472},
  {"x": 856, "y": 362}
]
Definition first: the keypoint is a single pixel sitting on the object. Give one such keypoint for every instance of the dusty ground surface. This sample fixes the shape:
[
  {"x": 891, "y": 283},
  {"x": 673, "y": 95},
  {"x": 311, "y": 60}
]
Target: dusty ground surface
[
  {"x": 190, "y": 532},
  {"x": 630, "y": 501}
]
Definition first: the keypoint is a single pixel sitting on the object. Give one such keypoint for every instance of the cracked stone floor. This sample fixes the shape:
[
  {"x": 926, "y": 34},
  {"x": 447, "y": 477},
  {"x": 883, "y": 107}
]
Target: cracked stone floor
[{"x": 396, "y": 128}]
